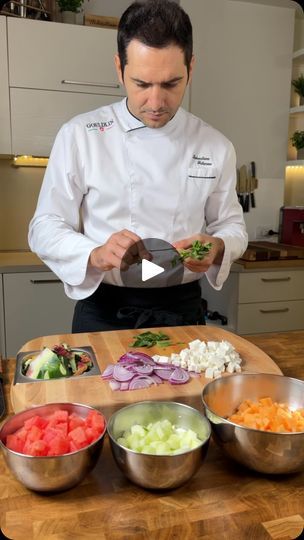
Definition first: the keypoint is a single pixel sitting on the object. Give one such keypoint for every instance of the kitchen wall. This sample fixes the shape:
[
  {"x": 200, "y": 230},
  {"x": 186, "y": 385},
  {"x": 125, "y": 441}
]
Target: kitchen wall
[{"x": 242, "y": 87}]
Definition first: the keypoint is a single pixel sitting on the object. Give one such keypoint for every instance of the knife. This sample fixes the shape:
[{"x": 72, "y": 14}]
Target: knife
[
  {"x": 2, "y": 399},
  {"x": 253, "y": 179}
]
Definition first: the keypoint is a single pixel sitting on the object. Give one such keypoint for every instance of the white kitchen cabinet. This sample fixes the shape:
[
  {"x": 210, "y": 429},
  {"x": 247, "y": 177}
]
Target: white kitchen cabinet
[
  {"x": 5, "y": 130},
  {"x": 35, "y": 305},
  {"x": 56, "y": 71},
  {"x": 35, "y": 126},
  {"x": 258, "y": 301}
]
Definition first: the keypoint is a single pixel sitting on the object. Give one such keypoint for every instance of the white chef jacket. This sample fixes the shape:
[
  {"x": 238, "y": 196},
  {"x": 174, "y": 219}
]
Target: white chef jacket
[{"x": 169, "y": 183}]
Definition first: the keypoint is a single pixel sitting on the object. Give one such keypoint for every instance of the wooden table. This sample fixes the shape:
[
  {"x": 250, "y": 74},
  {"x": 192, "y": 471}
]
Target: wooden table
[{"x": 223, "y": 500}]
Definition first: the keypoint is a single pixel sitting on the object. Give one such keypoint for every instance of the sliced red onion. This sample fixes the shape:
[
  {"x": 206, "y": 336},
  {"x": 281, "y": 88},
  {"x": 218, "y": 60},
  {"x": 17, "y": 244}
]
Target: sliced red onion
[
  {"x": 157, "y": 379},
  {"x": 179, "y": 376},
  {"x": 108, "y": 372},
  {"x": 124, "y": 385},
  {"x": 141, "y": 381},
  {"x": 133, "y": 356},
  {"x": 114, "y": 385},
  {"x": 144, "y": 369},
  {"x": 121, "y": 374},
  {"x": 163, "y": 373}
]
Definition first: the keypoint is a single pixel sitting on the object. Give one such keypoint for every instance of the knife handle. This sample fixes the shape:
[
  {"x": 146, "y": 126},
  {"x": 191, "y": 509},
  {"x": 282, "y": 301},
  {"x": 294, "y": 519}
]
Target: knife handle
[{"x": 253, "y": 171}]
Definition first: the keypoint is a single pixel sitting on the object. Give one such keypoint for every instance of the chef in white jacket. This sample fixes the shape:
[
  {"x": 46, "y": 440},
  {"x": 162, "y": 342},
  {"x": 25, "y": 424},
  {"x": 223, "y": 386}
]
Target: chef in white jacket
[{"x": 139, "y": 168}]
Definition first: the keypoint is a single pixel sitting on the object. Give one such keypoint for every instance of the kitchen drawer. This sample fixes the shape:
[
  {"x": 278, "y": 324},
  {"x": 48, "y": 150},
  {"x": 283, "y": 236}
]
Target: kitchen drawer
[
  {"x": 44, "y": 54},
  {"x": 271, "y": 286},
  {"x": 37, "y": 116},
  {"x": 270, "y": 317},
  {"x": 35, "y": 305}
]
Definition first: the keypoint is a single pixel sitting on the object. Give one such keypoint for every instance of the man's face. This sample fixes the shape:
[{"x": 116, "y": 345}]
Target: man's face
[{"x": 155, "y": 82}]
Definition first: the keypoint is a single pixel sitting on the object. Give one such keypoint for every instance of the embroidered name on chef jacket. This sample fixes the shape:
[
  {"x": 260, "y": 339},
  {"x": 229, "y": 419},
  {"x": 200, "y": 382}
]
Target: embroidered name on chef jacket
[
  {"x": 100, "y": 127},
  {"x": 202, "y": 167}
]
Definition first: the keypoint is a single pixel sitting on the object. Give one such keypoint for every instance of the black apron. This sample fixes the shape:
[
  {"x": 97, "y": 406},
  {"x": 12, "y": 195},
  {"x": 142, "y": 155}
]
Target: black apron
[{"x": 120, "y": 308}]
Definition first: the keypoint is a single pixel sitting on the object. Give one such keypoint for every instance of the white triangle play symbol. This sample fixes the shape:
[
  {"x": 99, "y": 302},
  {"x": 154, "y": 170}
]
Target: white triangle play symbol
[{"x": 150, "y": 270}]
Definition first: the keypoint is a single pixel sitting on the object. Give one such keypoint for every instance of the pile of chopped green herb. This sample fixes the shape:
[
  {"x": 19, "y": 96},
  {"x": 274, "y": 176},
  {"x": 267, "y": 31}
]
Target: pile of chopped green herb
[
  {"x": 197, "y": 250},
  {"x": 149, "y": 339}
]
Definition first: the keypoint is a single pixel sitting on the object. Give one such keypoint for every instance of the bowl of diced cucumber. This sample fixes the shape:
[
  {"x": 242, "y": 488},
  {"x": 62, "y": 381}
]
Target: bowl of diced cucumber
[{"x": 159, "y": 444}]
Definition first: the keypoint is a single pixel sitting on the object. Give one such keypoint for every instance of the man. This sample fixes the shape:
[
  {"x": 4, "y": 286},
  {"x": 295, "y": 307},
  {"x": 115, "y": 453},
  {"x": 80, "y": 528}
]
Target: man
[{"x": 156, "y": 171}]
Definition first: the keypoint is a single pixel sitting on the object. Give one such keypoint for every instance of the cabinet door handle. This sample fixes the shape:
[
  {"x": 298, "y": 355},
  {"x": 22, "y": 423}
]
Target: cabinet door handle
[
  {"x": 41, "y": 281},
  {"x": 272, "y": 280},
  {"x": 282, "y": 310},
  {"x": 83, "y": 83}
]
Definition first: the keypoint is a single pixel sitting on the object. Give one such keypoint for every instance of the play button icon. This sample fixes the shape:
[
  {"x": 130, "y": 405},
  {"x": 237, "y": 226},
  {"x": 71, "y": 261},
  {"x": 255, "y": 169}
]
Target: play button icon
[
  {"x": 151, "y": 263},
  {"x": 149, "y": 270}
]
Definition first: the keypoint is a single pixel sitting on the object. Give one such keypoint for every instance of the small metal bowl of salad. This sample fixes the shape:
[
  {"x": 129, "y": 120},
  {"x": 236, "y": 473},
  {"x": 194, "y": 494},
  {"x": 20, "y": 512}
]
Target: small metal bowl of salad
[
  {"x": 159, "y": 444},
  {"x": 53, "y": 447},
  {"x": 54, "y": 363}
]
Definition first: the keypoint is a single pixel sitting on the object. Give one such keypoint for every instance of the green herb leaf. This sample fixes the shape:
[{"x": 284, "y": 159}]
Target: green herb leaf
[
  {"x": 149, "y": 339},
  {"x": 197, "y": 251}
]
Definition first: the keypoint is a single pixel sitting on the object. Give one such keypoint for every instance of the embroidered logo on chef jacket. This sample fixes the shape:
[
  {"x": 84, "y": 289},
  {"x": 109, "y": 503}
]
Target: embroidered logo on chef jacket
[{"x": 100, "y": 126}]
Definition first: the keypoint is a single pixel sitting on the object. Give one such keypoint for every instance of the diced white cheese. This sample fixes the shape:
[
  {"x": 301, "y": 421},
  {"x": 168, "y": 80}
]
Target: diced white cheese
[{"x": 212, "y": 357}]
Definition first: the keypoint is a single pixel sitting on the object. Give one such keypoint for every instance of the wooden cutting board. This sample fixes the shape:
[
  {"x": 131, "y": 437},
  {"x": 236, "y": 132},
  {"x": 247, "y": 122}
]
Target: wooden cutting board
[{"x": 108, "y": 347}]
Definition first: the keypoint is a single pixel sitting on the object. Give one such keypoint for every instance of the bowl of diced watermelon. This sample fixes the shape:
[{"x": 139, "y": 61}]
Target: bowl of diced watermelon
[
  {"x": 54, "y": 446},
  {"x": 159, "y": 444}
]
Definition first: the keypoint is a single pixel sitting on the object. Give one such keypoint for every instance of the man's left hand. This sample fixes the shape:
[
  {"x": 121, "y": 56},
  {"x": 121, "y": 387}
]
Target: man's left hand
[{"x": 215, "y": 255}]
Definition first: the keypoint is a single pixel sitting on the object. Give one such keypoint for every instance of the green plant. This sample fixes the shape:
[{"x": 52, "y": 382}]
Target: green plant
[
  {"x": 297, "y": 139},
  {"x": 70, "y": 5},
  {"x": 298, "y": 85}
]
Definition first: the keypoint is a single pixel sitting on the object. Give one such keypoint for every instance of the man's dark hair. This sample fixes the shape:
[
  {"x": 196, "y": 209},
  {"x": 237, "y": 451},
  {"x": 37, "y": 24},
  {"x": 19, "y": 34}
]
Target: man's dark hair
[{"x": 155, "y": 23}]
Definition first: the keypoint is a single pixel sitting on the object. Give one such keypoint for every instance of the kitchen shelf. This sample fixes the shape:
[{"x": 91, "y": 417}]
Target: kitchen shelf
[
  {"x": 296, "y": 110},
  {"x": 298, "y": 56},
  {"x": 295, "y": 163}
]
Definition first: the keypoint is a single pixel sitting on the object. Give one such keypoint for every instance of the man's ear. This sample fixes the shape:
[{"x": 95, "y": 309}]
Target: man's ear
[
  {"x": 118, "y": 68},
  {"x": 191, "y": 69}
]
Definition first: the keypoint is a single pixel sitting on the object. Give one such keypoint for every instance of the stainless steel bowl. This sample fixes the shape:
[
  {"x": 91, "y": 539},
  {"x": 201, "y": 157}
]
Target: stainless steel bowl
[
  {"x": 158, "y": 471},
  {"x": 50, "y": 473},
  {"x": 263, "y": 451}
]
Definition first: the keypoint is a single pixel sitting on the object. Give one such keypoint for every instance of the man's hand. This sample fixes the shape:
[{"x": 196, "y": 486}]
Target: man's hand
[
  {"x": 121, "y": 250},
  {"x": 215, "y": 255}
]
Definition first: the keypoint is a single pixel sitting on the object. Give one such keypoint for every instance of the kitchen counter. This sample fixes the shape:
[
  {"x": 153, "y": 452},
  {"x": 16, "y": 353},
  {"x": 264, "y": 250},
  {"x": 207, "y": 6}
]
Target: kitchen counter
[
  {"x": 20, "y": 261},
  {"x": 223, "y": 500}
]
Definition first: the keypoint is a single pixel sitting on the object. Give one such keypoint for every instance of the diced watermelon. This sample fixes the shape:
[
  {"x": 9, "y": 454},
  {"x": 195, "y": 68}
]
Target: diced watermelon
[
  {"x": 58, "y": 445},
  {"x": 14, "y": 443},
  {"x": 57, "y": 417},
  {"x": 95, "y": 420},
  {"x": 34, "y": 434},
  {"x": 37, "y": 448},
  {"x": 50, "y": 434},
  {"x": 22, "y": 434},
  {"x": 91, "y": 434},
  {"x": 78, "y": 436},
  {"x": 57, "y": 434},
  {"x": 75, "y": 421},
  {"x": 36, "y": 420}
]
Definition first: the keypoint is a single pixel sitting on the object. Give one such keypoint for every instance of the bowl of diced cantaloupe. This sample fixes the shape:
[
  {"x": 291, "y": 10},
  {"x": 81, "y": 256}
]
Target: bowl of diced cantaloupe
[
  {"x": 258, "y": 420},
  {"x": 52, "y": 447},
  {"x": 159, "y": 444}
]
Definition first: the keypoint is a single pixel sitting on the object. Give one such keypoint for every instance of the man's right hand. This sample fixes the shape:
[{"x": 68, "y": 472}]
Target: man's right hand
[{"x": 113, "y": 254}]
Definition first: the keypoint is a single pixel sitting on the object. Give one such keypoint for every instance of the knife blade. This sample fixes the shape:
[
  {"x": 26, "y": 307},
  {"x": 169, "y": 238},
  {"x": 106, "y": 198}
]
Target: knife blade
[{"x": 2, "y": 399}]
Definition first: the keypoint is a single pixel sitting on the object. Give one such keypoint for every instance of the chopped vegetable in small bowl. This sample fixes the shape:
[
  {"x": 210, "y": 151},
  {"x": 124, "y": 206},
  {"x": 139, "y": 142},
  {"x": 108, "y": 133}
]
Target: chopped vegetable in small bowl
[{"x": 60, "y": 361}]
